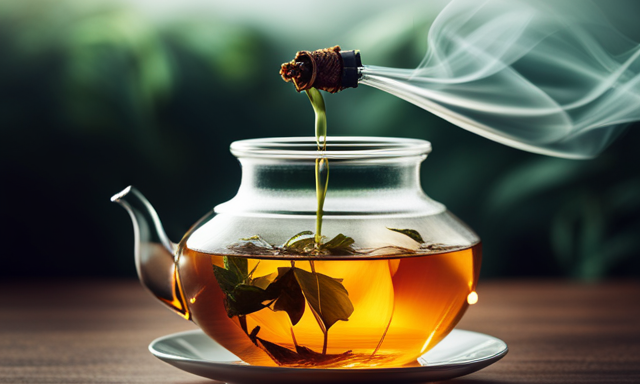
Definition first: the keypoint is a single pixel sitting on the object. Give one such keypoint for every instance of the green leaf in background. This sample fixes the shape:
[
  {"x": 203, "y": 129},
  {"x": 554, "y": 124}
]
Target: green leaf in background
[{"x": 412, "y": 233}]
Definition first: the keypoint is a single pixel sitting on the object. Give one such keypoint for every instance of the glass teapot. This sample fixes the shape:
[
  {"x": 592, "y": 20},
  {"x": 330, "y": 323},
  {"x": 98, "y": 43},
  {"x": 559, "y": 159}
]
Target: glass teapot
[{"x": 392, "y": 276}]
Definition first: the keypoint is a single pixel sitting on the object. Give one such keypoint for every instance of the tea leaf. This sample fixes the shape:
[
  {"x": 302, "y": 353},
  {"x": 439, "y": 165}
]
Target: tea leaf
[
  {"x": 340, "y": 241},
  {"x": 326, "y": 297},
  {"x": 412, "y": 233},
  {"x": 243, "y": 295},
  {"x": 237, "y": 265},
  {"x": 300, "y": 236},
  {"x": 281, "y": 355},
  {"x": 340, "y": 244},
  {"x": 301, "y": 357},
  {"x": 226, "y": 279},
  {"x": 290, "y": 298},
  {"x": 303, "y": 244},
  {"x": 437, "y": 247},
  {"x": 257, "y": 240},
  {"x": 300, "y": 243},
  {"x": 264, "y": 281},
  {"x": 254, "y": 245},
  {"x": 246, "y": 299}
]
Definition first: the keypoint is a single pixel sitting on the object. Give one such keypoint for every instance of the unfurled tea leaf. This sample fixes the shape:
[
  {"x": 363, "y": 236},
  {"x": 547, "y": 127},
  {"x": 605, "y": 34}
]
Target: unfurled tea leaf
[
  {"x": 340, "y": 241},
  {"x": 301, "y": 357},
  {"x": 327, "y": 297},
  {"x": 296, "y": 237},
  {"x": 246, "y": 299},
  {"x": 237, "y": 265},
  {"x": 290, "y": 298},
  {"x": 243, "y": 295},
  {"x": 264, "y": 281},
  {"x": 257, "y": 240},
  {"x": 412, "y": 233},
  {"x": 437, "y": 247},
  {"x": 226, "y": 279},
  {"x": 281, "y": 355},
  {"x": 302, "y": 243},
  {"x": 339, "y": 245},
  {"x": 254, "y": 245}
]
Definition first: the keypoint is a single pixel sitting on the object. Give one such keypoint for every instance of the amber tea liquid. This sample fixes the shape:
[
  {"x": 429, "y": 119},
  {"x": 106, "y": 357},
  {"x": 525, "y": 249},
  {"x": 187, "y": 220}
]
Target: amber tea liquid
[{"x": 402, "y": 307}]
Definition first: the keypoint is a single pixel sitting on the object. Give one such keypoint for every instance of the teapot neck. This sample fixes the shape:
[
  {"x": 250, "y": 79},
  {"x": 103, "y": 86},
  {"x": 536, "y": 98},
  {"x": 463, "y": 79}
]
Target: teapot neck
[
  {"x": 371, "y": 175},
  {"x": 356, "y": 186}
]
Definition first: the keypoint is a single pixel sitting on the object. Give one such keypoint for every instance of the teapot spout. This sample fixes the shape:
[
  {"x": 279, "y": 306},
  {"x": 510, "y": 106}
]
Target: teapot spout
[{"x": 155, "y": 254}]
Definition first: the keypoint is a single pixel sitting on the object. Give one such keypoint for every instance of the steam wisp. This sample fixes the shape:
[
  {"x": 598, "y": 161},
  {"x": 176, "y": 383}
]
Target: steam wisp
[{"x": 551, "y": 77}]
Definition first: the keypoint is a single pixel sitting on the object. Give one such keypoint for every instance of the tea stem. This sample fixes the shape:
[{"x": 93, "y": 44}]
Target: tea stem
[
  {"x": 385, "y": 331},
  {"x": 322, "y": 182},
  {"x": 293, "y": 337},
  {"x": 243, "y": 323},
  {"x": 324, "y": 345}
]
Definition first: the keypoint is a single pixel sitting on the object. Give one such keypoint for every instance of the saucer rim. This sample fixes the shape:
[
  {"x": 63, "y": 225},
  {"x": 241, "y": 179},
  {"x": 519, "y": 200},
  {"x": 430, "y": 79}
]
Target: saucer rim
[{"x": 484, "y": 361}]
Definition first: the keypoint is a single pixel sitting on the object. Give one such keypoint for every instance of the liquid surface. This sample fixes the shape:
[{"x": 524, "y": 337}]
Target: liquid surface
[{"x": 347, "y": 313}]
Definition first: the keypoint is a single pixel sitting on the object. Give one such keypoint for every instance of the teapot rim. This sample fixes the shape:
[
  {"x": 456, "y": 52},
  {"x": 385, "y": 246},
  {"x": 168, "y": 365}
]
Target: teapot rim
[{"x": 338, "y": 147}]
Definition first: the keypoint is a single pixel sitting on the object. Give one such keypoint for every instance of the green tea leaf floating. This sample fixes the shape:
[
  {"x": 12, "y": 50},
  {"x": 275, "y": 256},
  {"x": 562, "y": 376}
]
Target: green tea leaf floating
[
  {"x": 327, "y": 297},
  {"x": 296, "y": 237},
  {"x": 339, "y": 245},
  {"x": 302, "y": 243},
  {"x": 254, "y": 245},
  {"x": 412, "y": 233}
]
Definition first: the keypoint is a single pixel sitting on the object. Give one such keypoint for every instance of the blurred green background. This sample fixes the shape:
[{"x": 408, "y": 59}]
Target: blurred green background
[{"x": 96, "y": 95}]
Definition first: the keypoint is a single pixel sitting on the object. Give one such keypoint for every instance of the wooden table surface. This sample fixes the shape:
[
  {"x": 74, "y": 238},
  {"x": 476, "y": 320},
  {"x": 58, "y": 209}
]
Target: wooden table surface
[{"x": 98, "y": 332}]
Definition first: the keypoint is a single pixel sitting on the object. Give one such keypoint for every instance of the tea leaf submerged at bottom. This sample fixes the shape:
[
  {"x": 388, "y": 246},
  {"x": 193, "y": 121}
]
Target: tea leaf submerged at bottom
[
  {"x": 301, "y": 357},
  {"x": 327, "y": 298}
]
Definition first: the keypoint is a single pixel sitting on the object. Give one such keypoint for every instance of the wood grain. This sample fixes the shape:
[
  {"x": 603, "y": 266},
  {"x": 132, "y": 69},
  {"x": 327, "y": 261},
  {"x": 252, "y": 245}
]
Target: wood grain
[{"x": 98, "y": 332}]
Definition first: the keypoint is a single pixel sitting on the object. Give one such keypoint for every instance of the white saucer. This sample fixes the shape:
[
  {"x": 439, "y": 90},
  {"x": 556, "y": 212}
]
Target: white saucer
[{"x": 460, "y": 353}]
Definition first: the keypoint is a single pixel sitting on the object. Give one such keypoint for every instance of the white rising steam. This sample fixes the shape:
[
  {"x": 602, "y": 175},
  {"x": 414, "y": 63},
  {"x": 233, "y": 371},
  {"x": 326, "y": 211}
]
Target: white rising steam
[{"x": 551, "y": 77}]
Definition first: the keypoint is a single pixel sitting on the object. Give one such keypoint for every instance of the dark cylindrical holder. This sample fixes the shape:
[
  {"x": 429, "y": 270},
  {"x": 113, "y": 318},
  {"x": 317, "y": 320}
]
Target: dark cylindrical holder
[{"x": 350, "y": 64}]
